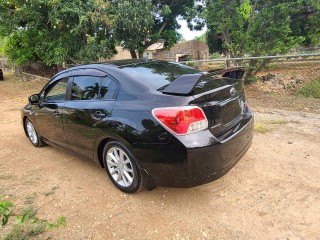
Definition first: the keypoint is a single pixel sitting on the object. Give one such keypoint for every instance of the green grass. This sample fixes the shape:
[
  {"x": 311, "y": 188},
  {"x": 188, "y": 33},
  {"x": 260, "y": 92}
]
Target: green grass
[
  {"x": 252, "y": 79},
  {"x": 311, "y": 89},
  {"x": 24, "y": 232}
]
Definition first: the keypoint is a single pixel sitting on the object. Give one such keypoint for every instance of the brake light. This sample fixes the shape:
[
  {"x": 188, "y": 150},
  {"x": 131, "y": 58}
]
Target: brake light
[{"x": 181, "y": 120}]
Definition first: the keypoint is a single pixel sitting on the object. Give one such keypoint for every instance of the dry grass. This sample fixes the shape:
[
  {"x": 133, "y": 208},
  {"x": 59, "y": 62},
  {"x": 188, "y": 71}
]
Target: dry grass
[
  {"x": 261, "y": 128},
  {"x": 276, "y": 121}
]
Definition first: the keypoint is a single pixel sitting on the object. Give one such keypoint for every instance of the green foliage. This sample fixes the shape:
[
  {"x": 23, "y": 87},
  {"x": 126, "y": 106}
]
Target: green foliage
[
  {"x": 253, "y": 27},
  {"x": 201, "y": 37},
  {"x": 165, "y": 17},
  {"x": 21, "y": 46},
  {"x": 63, "y": 31},
  {"x": 252, "y": 79},
  {"x": 56, "y": 31},
  {"x": 311, "y": 89},
  {"x": 138, "y": 24},
  {"x": 245, "y": 9},
  {"x": 5, "y": 212},
  {"x": 214, "y": 42},
  {"x": 132, "y": 22},
  {"x": 306, "y": 21},
  {"x": 171, "y": 37},
  {"x": 27, "y": 224},
  {"x": 24, "y": 231},
  {"x": 2, "y": 41}
]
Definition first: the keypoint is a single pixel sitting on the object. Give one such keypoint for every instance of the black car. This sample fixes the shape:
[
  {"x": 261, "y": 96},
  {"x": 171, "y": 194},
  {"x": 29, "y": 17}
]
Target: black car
[
  {"x": 154, "y": 122},
  {"x": 1, "y": 74}
]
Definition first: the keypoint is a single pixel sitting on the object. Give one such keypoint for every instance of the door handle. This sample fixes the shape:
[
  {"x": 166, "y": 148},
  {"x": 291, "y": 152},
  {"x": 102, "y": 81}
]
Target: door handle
[
  {"x": 57, "y": 113},
  {"x": 99, "y": 114}
]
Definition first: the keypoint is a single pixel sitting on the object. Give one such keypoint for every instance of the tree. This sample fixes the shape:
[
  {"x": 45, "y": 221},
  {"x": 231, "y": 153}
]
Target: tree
[
  {"x": 138, "y": 24},
  {"x": 166, "y": 14},
  {"x": 306, "y": 21},
  {"x": 56, "y": 31},
  {"x": 132, "y": 23},
  {"x": 253, "y": 27}
]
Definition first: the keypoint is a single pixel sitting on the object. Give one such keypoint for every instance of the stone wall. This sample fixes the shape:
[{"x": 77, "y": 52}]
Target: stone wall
[{"x": 193, "y": 49}]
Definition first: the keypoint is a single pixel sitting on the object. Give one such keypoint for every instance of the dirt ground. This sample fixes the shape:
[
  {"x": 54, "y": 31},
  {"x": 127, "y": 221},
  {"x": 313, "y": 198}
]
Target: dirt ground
[{"x": 272, "y": 193}]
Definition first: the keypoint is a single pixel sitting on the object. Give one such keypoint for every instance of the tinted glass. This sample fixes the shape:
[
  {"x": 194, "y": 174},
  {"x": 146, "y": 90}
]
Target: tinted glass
[
  {"x": 85, "y": 88},
  {"x": 157, "y": 74},
  {"x": 208, "y": 83},
  {"x": 57, "y": 91},
  {"x": 108, "y": 88}
]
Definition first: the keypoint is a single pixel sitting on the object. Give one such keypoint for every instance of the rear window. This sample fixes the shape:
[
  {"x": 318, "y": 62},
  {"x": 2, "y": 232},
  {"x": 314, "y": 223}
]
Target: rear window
[
  {"x": 157, "y": 75},
  {"x": 211, "y": 82},
  {"x": 208, "y": 83}
]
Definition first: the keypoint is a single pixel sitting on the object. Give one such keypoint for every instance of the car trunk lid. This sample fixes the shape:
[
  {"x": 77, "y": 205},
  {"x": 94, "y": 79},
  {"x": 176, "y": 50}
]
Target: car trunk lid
[{"x": 221, "y": 96}]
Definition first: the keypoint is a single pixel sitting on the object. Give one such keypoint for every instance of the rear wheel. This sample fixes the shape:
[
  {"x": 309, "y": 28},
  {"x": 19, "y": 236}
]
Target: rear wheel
[
  {"x": 32, "y": 134},
  {"x": 121, "y": 167}
]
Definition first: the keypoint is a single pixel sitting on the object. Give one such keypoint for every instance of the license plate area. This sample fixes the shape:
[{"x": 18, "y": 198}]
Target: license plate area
[{"x": 229, "y": 111}]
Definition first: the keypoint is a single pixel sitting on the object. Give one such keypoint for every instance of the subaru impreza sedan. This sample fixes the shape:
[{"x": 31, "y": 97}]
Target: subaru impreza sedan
[{"x": 151, "y": 123}]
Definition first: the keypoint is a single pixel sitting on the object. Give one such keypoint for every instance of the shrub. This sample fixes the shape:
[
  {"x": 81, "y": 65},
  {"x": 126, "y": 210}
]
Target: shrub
[{"x": 311, "y": 89}]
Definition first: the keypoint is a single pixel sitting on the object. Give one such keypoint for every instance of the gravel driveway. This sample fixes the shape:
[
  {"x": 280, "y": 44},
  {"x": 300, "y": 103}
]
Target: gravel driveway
[{"x": 272, "y": 193}]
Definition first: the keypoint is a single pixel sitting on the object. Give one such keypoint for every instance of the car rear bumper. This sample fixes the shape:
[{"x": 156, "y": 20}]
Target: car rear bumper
[
  {"x": 210, "y": 163},
  {"x": 207, "y": 163}
]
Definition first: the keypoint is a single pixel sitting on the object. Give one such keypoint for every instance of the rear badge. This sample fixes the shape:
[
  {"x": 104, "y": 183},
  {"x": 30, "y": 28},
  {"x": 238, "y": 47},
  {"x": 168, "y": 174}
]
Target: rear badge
[{"x": 233, "y": 91}]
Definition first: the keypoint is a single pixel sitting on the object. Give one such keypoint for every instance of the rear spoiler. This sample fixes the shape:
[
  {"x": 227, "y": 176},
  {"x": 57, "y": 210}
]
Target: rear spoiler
[{"x": 185, "y": 84}]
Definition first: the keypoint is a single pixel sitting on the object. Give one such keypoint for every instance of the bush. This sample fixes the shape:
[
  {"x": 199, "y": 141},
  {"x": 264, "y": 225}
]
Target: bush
[
  {"x": 252, "y": 79},
  {"x": 311, "y": 89}
]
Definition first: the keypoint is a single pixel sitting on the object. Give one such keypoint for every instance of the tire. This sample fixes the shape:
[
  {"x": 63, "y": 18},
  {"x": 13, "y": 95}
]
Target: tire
[
  {"x": 121, "y": 167},
  {"x": 32, "y": 134}
]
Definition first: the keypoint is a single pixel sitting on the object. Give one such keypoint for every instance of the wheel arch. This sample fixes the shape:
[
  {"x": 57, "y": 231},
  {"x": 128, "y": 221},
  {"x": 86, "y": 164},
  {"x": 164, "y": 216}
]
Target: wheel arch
[
  {"x": 24, "y": 125},
  {"x": 100, "y": 143}
]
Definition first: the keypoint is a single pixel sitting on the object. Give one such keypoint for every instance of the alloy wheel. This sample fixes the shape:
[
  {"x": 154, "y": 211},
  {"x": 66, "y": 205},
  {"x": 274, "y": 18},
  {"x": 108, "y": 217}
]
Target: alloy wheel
[
  {"x": 120, "y": 167},
  {"x": 32, "y": 133}
]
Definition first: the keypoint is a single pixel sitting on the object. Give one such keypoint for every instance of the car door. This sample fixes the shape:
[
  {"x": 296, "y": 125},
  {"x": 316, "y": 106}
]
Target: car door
[
  {"x": 49, "y": 116},
  {"x": 87, "y": 111}
]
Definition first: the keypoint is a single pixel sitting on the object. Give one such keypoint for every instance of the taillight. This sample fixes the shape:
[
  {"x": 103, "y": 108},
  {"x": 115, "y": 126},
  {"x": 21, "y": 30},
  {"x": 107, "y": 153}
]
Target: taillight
[{"x": 181, "y": 120}]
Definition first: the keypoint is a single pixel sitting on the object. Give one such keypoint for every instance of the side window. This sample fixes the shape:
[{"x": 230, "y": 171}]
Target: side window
[
  {"x": 108, "y": 88},
  {"x": 85, "y": 88},
  {"x": 57, "y": 91}
]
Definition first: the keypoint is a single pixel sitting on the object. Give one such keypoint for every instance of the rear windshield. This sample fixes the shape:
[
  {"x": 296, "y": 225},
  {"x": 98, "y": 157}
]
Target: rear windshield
[
  {"x": 208, "y": 83},
  {"x": 214, "y": 81},
  {"x": 157, "y": 75}
]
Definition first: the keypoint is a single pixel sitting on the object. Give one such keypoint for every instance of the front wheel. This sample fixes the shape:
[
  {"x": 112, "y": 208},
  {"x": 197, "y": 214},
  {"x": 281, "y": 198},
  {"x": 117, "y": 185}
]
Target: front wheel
[
  {"x": 33, "y": 135},
  {"x": 122, "y": 168}
]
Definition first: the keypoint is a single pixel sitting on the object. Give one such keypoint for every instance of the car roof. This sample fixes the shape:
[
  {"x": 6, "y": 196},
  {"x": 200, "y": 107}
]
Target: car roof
[{"x": 139, "y": 75}]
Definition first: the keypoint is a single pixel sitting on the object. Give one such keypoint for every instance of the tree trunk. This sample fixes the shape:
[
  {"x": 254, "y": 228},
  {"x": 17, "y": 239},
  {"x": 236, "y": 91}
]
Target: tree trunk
[
  {"x": 140, "y": 55},
  {"x": 164, "y": 24},
  {"x": 59, "y": 67},
  {"x": 226, "y": 54},
  {"x": 133, "y": 54}
]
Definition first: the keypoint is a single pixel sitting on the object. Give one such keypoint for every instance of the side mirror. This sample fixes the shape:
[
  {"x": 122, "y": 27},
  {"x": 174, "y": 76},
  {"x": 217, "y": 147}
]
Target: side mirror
[{"x": 34, "y": 99}]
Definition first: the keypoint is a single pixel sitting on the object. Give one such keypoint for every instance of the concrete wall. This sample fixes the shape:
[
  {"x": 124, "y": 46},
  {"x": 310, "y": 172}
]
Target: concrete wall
[
  {"x": 194, "y": 49},
  {"x": 122, "y": 54}
]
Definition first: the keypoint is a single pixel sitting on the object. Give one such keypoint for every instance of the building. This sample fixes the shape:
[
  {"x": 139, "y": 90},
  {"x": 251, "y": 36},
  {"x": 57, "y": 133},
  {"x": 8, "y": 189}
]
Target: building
[
  {"x": 121, "y": 54},
  {"x": 151, "y": 51},
  {"x": 193, "y": 49}
]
